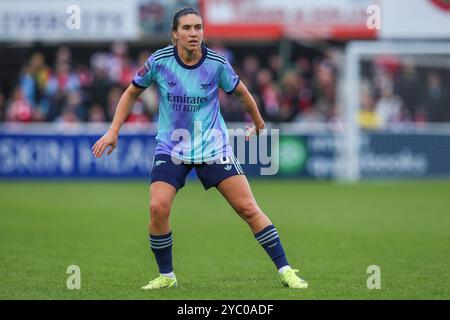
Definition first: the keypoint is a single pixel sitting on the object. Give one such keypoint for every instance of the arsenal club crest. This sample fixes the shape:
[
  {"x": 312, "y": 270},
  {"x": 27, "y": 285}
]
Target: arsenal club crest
[{"x": 443, "y": 4}]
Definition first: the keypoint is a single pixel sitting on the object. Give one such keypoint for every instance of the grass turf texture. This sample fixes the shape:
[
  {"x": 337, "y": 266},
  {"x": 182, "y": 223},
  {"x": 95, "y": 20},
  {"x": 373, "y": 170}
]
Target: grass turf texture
[{"x": 331, "y": 232}]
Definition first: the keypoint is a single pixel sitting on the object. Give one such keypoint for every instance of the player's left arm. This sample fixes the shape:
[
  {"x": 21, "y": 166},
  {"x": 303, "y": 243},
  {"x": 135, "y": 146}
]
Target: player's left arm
[{"x": 245, "y": 98}]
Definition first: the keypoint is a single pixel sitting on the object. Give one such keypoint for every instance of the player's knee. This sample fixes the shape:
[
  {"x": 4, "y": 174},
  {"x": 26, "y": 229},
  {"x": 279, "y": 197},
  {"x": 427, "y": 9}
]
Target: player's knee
[
  {"x": 159, "y": 210},
  {"x": 248, "y": 210}
]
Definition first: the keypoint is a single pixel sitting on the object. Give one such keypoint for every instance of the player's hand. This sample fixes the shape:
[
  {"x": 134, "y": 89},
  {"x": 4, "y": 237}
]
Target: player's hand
[
  {"x": 249, "y": 131},
  {"x": 109, "y": 139}
]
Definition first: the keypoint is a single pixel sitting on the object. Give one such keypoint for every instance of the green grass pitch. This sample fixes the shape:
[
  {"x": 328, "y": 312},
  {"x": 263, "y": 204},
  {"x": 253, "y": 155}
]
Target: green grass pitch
[{"x": 331, "y": 232}]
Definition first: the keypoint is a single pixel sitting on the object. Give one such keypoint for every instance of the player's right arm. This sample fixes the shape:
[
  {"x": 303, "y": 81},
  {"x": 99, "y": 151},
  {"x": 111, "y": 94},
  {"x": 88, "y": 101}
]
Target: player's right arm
[
  {"x": 142, "y": 79},
  {"x": 109, "y": 139}
]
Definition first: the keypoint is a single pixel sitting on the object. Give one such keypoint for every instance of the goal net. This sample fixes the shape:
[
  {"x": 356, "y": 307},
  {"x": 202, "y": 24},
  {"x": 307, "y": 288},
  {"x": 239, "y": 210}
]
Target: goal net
[{"x": 397, "y": 110}]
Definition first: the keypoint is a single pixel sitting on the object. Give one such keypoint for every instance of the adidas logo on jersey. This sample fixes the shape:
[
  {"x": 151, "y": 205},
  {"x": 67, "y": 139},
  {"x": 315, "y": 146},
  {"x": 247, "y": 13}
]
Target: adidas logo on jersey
[
  {"x": 171, "y": 84},
  {"x": 228, "y": 167}
]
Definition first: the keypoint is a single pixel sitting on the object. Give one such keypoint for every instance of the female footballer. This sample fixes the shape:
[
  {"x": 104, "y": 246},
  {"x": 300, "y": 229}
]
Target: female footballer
[{"x": 188, "y": 76}]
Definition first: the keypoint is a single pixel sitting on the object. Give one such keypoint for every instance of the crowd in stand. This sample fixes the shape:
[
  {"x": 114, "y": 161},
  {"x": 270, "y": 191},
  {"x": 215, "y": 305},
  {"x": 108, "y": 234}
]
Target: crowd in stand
[
  {"x": 66, "y": 90},
  {"x": 400, "y": 90},
  {"x": 69, "y": 91}
]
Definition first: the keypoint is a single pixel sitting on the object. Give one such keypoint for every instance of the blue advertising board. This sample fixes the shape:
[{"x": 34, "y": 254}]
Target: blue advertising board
[
  {"x": 45, "y": 156},
  {"x": 382, "y": 155}
]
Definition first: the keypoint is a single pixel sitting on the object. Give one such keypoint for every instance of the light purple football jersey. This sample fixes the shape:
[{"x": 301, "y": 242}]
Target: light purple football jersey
[{"x": 190, "y": 125}]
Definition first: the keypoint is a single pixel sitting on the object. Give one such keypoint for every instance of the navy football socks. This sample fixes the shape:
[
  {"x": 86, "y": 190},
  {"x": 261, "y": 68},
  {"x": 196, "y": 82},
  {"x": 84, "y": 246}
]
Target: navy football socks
[
  {"x": 268, "y": 238},
  {"x": 162, "y": 249}
]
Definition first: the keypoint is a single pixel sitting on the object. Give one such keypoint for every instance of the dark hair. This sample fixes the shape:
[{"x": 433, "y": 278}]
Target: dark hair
[{"x": 178, "y": 15}]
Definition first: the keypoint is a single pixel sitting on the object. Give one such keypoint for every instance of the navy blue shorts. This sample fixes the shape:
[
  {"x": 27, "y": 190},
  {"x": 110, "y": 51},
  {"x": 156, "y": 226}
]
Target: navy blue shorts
[{"x": 164, "y": 169}]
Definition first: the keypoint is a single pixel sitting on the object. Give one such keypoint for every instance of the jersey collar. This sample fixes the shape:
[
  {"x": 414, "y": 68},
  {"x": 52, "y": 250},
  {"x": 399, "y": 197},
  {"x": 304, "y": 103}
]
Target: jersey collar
[{"x": 181, "y": 63}]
